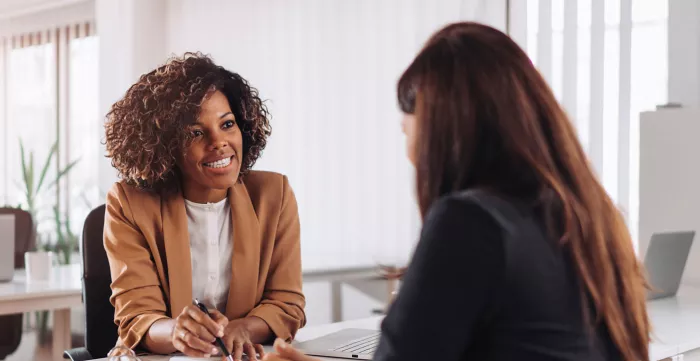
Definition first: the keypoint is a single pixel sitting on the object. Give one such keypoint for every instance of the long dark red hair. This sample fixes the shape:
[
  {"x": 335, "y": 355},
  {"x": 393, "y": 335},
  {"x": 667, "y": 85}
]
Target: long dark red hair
[{"x": 486, "y": 118}]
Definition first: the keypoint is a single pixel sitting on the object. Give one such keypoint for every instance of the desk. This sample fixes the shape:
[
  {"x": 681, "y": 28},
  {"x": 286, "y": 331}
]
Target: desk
[
  {"x": 676, "y": 323},
  {"x": 59, "y": 294},
  {"x": 304, "y": 334}
]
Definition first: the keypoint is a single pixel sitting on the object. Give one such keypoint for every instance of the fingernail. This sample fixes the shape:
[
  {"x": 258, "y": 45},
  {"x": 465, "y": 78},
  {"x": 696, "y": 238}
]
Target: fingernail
[
  {"x": 281, "y": 344},
  {"x": 221, "y": 332},
  {"x": 214, "y": 351}
]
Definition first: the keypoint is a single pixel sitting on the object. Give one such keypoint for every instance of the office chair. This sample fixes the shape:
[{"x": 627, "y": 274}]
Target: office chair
[
  {"x": 11, "y": 325},
  {"x": 100, "y": 330}
]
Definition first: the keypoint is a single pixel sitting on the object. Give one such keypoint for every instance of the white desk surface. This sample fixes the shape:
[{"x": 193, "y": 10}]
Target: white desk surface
[
  {"x": 675, "y": 320},
  {"x": 62, "y": 290},
  {"x": 676, "y": 323}
]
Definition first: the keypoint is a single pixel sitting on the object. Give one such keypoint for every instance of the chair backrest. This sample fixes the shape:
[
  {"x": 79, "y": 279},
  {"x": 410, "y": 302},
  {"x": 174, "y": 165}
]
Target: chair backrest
[
  {"x": 100, "y": 330},
  {"x": 24, "y": 233}
]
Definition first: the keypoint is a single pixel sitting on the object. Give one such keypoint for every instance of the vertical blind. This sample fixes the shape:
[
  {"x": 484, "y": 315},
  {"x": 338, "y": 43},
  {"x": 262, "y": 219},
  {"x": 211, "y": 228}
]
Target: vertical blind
[{"x": 606, "y": 61}]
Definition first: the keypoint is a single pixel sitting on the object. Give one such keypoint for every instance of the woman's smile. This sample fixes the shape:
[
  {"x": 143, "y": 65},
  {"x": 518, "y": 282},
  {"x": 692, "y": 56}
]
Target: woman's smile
[{"x": 222, "y": 165}]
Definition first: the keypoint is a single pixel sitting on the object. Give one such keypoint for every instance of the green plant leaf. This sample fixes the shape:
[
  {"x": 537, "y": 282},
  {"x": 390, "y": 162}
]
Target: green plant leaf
[
  {"x": 25, "y": 174},
  {"x": 30, "y": 171},
  {"x": 47, "y": 164},
  {"x": 63, "y": 172},
  {"x": 60, "y": 238}
]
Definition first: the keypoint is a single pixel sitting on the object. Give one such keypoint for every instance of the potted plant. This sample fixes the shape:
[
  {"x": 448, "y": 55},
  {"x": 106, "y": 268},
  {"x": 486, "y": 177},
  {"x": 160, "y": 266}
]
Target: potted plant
[{"x": 33, "y": 187}]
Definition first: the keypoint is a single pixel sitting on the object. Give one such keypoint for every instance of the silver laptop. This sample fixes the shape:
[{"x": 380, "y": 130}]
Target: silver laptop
[
  {"x": 665, "y": 262},
  {"x": 350, "y": 343},
  {"x": 7, "y": 247}
]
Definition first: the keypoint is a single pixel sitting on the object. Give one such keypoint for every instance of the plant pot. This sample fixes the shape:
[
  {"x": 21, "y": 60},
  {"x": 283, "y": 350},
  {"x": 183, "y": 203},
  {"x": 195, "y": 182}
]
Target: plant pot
[{"x": 38, "y": 265}]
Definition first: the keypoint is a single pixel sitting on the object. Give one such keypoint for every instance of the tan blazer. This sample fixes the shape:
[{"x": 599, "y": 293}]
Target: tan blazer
[{"x": 147, "y": 244}]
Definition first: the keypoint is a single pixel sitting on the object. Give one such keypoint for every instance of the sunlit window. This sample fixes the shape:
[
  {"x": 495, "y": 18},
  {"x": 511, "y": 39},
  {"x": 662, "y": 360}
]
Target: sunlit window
[
  {"x": 84, "y": 129},
  {"x": 649, "y": 79},
  {"x": 31, "y": 103},
  {"x": 51, "y": 98}
]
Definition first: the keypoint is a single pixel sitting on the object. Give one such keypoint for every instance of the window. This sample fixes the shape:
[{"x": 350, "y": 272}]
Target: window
[
  {"x": 31, "y": 109},
  {"x": 83, "y": 131},
  {"x": 50, "y": 94},
  {"x": 615, "y": 78}
]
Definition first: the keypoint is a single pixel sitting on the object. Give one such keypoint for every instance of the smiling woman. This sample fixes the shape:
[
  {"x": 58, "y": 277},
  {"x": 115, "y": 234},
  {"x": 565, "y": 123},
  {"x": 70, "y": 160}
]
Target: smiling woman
[{"x": 191, "y": 220}]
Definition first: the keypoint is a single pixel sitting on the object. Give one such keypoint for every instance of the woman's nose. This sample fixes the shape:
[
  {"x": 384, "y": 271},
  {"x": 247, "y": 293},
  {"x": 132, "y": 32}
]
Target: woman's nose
[{"x": 218, "y": 143}]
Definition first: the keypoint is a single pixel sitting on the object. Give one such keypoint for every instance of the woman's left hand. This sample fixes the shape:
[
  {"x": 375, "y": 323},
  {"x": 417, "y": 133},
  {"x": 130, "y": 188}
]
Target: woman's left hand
[
  {"x": 237, "y": 338},
  {"x": 287, "y": 352}
]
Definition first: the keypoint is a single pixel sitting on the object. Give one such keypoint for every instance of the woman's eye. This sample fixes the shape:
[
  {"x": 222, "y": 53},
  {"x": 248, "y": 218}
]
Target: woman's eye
[
  {"x": 229, "y": 124},
  {"x": 197, "y": 133}
]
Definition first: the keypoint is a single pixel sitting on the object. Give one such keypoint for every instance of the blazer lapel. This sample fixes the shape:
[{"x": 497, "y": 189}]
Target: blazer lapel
[
  {"x": 177, "y": 252},
  {"x": 246, "y": 253}
]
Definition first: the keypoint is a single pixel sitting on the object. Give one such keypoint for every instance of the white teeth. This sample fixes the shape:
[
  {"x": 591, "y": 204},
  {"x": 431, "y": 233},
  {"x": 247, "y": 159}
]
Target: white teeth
[{"x": 219, "y": 163}]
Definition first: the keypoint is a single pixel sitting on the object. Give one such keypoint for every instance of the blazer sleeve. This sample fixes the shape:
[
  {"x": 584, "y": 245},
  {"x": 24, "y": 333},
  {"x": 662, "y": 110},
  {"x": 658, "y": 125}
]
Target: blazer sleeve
[
  {"x": 137, "y": 294},
  {"x": 282, "y": 305}
]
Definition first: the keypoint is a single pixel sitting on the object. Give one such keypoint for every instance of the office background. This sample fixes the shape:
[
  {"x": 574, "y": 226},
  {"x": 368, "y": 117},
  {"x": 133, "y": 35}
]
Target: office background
[{"x": 328, "y": 69}]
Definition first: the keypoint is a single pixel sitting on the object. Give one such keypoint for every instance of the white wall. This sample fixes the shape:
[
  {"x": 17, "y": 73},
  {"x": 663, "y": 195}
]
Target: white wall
[
  {"x": 19, "y": 17},
  {"x": 684, "y": 52},
  {"x": 669, "y": 191},
  {"x": 132, "y": 41},
  {"x": 328, "y": 69}
]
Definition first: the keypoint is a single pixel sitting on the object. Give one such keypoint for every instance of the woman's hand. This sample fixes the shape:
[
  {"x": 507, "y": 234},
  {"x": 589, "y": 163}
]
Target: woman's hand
[
  {"x": 286, "y": 352},
  {"x": 195, "y": 332},
  {"x": 238, "y": 339}
]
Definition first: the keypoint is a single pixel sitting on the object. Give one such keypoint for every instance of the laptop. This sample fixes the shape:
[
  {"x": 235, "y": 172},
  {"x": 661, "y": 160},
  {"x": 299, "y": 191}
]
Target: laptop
[
  {"x": 350, "y": 343},
  {"x": 665, "y": 262},
  {"x": 7, "y": 247}
]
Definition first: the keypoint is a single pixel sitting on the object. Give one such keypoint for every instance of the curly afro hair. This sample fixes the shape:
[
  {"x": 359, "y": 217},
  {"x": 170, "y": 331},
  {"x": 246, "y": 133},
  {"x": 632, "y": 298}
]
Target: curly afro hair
[{"x": 147, "y": 131}]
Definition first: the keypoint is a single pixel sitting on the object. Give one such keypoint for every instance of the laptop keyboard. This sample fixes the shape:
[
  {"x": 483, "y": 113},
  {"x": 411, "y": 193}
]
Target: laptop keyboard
[{"x": 365, "y": 345}]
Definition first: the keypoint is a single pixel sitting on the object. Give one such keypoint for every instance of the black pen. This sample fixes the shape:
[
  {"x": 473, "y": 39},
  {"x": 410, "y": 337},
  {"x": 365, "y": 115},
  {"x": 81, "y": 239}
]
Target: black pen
[{"x": 219, "y": 341}]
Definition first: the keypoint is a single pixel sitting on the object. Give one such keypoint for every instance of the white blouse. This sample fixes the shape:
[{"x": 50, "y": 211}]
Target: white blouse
[{"x": 211, "y": 247}]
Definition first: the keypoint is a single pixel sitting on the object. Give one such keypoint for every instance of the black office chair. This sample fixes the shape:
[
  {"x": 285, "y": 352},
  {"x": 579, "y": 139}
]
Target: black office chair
[{"x": 100, "y": 330}]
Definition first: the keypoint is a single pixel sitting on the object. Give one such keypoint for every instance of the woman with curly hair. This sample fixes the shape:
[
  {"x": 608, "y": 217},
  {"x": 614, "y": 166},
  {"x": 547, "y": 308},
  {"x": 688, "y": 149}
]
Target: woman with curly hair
[{"x": 190, "y": 219}]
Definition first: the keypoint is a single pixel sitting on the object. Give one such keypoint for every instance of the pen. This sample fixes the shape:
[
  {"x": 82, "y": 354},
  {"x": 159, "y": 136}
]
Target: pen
[{"x": 219, "y": 341}]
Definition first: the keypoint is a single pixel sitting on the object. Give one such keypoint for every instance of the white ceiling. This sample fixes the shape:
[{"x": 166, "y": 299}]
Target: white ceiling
[{"x": 15, "y": 8}]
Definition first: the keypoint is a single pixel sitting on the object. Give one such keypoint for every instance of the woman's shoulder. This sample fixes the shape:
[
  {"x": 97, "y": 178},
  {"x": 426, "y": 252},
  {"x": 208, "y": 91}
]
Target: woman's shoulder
[
  {"x": 461, "y": 206},
  {"x": 479, "y": 203},
  {"x": 257, "y": 181},
  {"x": 473, "y": 211},
  {"x": 267, "y": 190},
  {"x": 122, "y": 192}
]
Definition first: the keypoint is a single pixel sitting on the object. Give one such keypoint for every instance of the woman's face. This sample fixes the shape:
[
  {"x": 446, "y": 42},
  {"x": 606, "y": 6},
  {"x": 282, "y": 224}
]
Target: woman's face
[
  {"x": 213, "y": 160},
  {"x": 408, "y": 125}
]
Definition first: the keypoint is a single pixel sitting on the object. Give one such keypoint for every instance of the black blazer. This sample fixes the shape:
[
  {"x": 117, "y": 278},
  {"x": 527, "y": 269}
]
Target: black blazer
[{"x": 487, "y": 283}]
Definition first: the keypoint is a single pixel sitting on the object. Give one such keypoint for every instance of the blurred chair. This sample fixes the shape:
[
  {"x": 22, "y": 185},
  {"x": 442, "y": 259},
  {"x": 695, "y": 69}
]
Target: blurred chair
[
  {"x": 100, "y": 330},
  {"x": 11, "y": 325}
]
